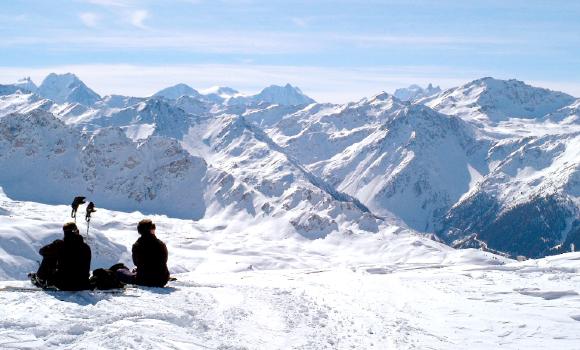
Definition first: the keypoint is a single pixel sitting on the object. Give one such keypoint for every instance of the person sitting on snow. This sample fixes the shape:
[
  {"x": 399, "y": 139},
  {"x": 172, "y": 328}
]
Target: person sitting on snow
[
  {"x": 65, "y": 262},
  {"x": 150, "y": 258}
]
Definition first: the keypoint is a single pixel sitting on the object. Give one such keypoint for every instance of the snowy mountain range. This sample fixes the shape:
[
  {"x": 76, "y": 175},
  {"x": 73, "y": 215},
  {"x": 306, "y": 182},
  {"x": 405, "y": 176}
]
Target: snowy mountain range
[
  {"x": 415, "y": 92},
  {"x": 492, "y": 164}
]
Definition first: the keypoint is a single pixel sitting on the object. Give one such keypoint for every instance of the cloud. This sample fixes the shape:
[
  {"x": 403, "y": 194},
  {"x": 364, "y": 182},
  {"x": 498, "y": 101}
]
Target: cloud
[
  {"x": 138, "y": 17},
  {"x": 90, "y": 19}
]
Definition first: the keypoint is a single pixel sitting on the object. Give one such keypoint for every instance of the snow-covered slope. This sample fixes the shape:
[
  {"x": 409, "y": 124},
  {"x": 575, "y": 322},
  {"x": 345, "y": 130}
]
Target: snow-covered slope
[
  {"x": 26, "y": 84},
  {"x": 415, "y": 92},
  {"x": 397, "y": 159},
  {"x": 416, "y": 166},
  {"x": 40, "y": 153},
  {"x": 62, "y": 88},
  {"x": 238, "y": 289},
  {"x": 529, "y": 204},
  {"x": 23, "y": 103},
  {"x": 6, "y": 90},
  {"x": 153, "y": 116},
  {"x": 194, "y": 105},
  {"x": 330, "y": 129},
  {"x": 493, "y": 100},
  {"x": 118, "y": 101},
  {"x": 566, "y": 115},
  {"x": 288, "y": 191}
]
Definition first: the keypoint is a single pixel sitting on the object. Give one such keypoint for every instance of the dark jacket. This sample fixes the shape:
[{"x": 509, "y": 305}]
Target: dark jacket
[
  {"x": 150, "y": 258},
  {"x": 66, "y": 263}
]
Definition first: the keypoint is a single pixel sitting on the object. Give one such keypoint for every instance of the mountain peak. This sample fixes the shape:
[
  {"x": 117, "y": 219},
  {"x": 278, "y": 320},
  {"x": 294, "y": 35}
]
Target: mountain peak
[
  {"x": 67, "y": 87},
  {"x": 415, "y": 92},
  {"x": 496, "y": 100},
  {"x": 283, "y": 95},
  {"x": 176, "y": 91},
  {"x": 27, "y": 84},
  {"x": 382, "y": 96},
  {"x": 221, "y": 91}
]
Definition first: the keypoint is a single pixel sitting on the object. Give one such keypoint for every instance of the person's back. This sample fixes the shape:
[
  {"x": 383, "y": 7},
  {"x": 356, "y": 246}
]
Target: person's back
[
  {"x": 66, "y": 263},
  {"x": 150, "y": 257},
  {"x": 74, "y": 264}
]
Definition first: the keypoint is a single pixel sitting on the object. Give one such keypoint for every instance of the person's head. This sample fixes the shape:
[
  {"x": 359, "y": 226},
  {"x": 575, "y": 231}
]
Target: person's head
[
  {"x": 145, "y": 227},
  {"x": 70, "y": 229}
]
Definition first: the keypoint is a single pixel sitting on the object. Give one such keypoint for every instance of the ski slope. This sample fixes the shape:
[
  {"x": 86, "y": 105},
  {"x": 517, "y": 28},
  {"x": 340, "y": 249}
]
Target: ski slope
[{"x": 245, "y": 287}]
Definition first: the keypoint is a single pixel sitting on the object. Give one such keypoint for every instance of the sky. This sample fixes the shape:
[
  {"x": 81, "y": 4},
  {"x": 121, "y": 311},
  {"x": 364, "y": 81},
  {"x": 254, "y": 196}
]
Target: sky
[{"x": 334, "y": 50}]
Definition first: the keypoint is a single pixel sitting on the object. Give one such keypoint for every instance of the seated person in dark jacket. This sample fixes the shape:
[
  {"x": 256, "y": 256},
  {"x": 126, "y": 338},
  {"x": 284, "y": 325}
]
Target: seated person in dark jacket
[
  {"x": 149, "y": 257},
  {"x": 66, "y": 263}
]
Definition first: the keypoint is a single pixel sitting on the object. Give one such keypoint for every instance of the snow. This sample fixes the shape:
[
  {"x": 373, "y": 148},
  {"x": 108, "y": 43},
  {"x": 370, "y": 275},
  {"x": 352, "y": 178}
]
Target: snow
[
  {"x": 27, "y": 84},
  {"x": 415, "y": 92},
  {"x": 491, "y": 100},
  {"x": 67, "y": 87},
  {"x": 286, "y": 95},
  {"x": 139, "y": 132},
  {"x": 176, "y": 91},
  {"x": 240, "y": 290},
  {"x": 220, "y": 93},
  {"x": 293, "y": 224}
]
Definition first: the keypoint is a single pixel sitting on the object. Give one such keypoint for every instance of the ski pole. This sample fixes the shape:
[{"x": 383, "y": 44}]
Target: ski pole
[{"x": 90, "y": 209}]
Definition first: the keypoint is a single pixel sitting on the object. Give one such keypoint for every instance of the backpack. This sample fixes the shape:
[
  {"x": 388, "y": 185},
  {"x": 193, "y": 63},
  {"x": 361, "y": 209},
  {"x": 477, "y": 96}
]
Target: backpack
[{"x": 104, "y": 279}]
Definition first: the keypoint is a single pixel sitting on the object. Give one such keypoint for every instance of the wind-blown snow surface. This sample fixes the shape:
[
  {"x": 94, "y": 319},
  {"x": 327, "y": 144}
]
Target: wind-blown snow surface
[{"x": 243, "y": 286}]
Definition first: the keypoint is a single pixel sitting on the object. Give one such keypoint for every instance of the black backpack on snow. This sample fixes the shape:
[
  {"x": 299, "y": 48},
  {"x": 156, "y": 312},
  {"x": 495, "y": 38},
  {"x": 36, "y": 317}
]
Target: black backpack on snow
[{"x": 104, "y": 279}]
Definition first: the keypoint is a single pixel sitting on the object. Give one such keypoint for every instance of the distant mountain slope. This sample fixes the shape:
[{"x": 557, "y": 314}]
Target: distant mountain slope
[
  {"x": 176, "y": 91},
  {"x": 27, "y": 84},
  {"x": 286, "y": 95},
  {"x": 320, "y": 131},
  {"x": 415, "y": 92},
  {"x": 566, "y": 115},
  {"x": 154, "y": 116},
  {"x": 493, "y": 100},
  {"x": 40, "y": 153},
  {"x": 62, "y": 88},
  {"x": 416, "y": 165},
  {"x": 530, "y": 201},
  {"x": 314, "y": 208},
  {"x": 493, "y": 165}
]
